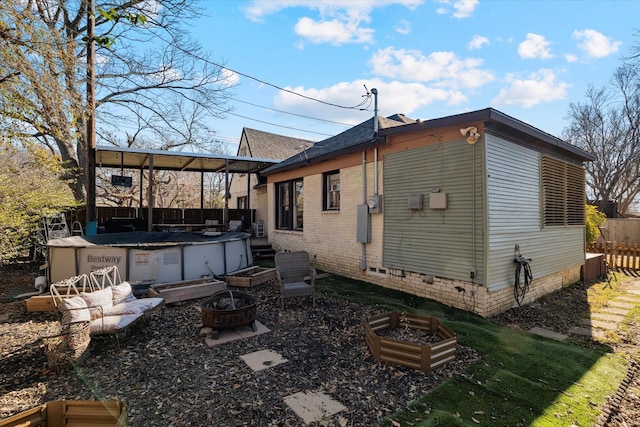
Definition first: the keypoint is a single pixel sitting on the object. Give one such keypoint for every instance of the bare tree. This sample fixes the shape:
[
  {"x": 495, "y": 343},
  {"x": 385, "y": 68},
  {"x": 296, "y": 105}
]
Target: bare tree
[
  {"x": 151, "y": 79},
  {"x": 607, "y": 125}
]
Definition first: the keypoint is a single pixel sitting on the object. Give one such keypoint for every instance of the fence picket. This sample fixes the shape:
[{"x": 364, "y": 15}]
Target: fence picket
[{"x": 618, "y": 255}]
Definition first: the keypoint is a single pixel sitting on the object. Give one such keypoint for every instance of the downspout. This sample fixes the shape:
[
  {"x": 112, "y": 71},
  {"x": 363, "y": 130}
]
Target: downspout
[
  {"x": 363, "y": 260},
  {"x": 375, "y": 171},
  {"x": 374, "y": 91},
  {"x": 472, "y": 273}
]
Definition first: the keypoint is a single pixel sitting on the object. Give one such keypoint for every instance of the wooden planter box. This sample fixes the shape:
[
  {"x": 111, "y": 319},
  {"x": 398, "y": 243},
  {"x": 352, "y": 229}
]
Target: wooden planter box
[
  {"x": 60, "y": 413},
  {"x": 250, "y": 277},
  {"x": 425, "y": 357},
  {"x": 42, "y": 302},
  {"x": 186, "y": 290}
]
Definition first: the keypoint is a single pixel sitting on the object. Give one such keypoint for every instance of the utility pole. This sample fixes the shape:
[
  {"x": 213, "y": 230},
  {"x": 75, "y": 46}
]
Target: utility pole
[{"x": 90, "y": 137}]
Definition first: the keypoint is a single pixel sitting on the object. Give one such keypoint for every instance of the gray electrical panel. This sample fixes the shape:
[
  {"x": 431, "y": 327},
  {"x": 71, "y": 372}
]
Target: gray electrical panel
[
  {"x": 363, "y": 233},
  {"x": 415, "y": 202}
]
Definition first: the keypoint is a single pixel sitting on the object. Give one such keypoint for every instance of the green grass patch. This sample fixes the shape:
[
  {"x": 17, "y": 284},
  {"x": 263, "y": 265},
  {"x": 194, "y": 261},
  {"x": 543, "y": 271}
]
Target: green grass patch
[{"x": 524, "y": 379}]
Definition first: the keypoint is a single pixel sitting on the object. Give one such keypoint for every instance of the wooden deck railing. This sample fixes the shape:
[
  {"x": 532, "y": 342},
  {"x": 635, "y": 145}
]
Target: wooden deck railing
[{"x": 618, "y": 255}]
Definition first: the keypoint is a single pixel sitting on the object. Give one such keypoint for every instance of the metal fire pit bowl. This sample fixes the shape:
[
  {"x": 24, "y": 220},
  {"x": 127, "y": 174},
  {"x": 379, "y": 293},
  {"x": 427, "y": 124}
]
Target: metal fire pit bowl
[{"x": 229, "y": 309}]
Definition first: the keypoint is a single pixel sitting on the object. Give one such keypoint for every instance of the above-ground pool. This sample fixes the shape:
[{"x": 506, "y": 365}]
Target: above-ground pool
[{"x": 151, "y": 257}]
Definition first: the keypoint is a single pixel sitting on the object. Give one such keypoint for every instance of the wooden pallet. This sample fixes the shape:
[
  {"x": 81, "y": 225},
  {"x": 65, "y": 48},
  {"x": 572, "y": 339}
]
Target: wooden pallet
[{"x": 186, "y": 290}]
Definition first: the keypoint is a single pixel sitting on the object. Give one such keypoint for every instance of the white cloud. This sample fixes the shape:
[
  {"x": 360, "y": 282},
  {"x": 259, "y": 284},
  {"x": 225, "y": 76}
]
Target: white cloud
[
  {"x": 394, "y": 97},
  {"x": 339, "y": 21},
  {"x": 403, "y": 27},
  {"x": 535, "y": 46},
  {"x": 570, "y": 57},
  {"x": 334, "y": 31},
  {"x": 595, "y": 44},
  {"x": 228, "y": 77},
  {"x": 463, "y": 8},
  {"x": 477, "y": 42},
  {"x": 539, "y": 87},
  {"x": 444, "y": 69}
]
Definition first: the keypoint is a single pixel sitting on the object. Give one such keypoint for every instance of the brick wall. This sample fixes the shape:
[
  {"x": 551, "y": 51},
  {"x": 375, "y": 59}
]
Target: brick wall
[{"x": 330, "y": 239}]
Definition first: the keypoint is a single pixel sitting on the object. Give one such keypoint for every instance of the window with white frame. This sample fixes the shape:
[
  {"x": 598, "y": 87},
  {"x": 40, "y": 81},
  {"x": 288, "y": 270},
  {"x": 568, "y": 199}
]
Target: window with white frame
[
  {"x": 331, "y": 193},
  {"x": 290, "y": 204}
]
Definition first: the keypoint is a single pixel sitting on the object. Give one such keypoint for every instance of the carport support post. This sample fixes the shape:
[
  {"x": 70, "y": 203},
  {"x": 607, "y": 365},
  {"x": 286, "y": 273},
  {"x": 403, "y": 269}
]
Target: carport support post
[
  {"x": 225, "y": 213},
  {"x": 151, "y": 201},
  {"x": 201, "y": 197}
]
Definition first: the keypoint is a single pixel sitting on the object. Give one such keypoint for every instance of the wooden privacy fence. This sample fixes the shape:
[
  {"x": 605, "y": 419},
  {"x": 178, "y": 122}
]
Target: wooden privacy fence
[
  {"x": 621, "y": 230},
  {"x": 618, "y": 255}
]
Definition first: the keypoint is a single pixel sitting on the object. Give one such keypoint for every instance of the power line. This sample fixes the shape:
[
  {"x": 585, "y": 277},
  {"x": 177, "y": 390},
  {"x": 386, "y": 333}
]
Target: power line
[
  {"x": 294, "y": 93},
  {"x": 282, "y": 126},
  {"x": 293, "y": 114}
]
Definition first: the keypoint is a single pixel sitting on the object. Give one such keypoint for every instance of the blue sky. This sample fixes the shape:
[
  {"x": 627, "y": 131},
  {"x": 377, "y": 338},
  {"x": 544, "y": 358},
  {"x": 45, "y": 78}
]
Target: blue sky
[{"x": 427, "y": 59}]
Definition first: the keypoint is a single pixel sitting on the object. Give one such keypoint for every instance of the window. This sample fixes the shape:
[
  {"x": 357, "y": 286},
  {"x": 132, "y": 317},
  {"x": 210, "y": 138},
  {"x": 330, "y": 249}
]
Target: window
[
  {"x": 290, "y": 204},
  {"x": 331, "y": 193},
  {"x": 563, "y": 192},
  {"x": 242, "y": 202}
]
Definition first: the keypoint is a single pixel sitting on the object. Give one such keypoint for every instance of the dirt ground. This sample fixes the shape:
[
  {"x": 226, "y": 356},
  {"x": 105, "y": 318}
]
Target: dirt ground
[{"x": 167, "y": 375}]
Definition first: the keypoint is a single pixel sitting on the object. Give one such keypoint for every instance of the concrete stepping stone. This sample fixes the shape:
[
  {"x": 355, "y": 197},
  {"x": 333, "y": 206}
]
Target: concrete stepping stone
[
  {"x": 228, "y": 335},
  {"x": 548, "y": 333},
  {"x": 263, "y": 359},
  {"x": 313, "y": 406},
  {"x": 587, "y": 332},
  {"x": 610, "y": 326},
  {"x": 618, "y": 311},
  {"x": 628, "y": 299},
  {"x": 634, "y": 291},
  {"x": 621, "y": 304},
  {"x": 608, "y": 317}
]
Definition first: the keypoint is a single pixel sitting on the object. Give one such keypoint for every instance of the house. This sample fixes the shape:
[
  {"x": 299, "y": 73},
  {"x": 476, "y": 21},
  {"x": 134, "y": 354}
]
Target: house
[
  {"x": 437, "y": 208},
  {"x": 248, "y": 191}
]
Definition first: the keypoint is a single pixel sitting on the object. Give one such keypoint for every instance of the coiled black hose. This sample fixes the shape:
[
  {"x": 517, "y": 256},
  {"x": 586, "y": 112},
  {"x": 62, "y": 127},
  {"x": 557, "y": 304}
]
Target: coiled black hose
[{"x": 522, "y": 269}]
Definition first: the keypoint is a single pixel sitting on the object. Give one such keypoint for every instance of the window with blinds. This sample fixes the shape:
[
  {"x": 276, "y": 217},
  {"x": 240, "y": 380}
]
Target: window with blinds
[{"x": 563, "y": 191}]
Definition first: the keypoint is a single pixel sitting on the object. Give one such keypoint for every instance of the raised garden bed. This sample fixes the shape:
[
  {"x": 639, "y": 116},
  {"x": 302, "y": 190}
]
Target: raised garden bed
[
  {"x": 72, "y": 412},
  {"x": 250, "y": 277},
  {"x": 416, "y": 355},
  {"x": 186, "y": 290}
]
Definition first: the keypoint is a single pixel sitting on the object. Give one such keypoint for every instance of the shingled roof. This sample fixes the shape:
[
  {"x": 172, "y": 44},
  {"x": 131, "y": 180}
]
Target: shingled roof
[
  {"x": 351, "y": 140},
  {"x": 272, "y": 146}
]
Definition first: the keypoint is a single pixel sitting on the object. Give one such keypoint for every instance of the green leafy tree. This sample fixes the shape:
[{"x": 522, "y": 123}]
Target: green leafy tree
[
  {"x": 594, "y": 219},
  {"x": 31, "y": 188}
]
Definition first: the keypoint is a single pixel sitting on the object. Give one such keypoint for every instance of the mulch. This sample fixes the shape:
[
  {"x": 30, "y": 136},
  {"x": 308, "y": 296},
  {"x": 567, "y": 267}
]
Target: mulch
[{"x": 167, "y": 375}]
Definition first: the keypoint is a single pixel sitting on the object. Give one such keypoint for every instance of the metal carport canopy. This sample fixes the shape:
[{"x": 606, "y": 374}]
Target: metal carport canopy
[{"x": 140, "y": 159}]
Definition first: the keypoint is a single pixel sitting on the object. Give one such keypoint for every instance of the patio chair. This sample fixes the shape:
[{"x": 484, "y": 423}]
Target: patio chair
[{"x": 292, "y": 268}]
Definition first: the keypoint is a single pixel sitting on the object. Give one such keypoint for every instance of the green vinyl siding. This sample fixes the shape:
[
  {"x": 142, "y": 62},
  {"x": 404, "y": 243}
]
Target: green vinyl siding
[
  {"x": 436, "y": 242},
  {"x": 515, "y": 217}
]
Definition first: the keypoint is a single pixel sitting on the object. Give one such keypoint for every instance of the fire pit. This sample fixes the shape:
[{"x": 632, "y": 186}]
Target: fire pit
[{"x": 229, "y": 310}]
